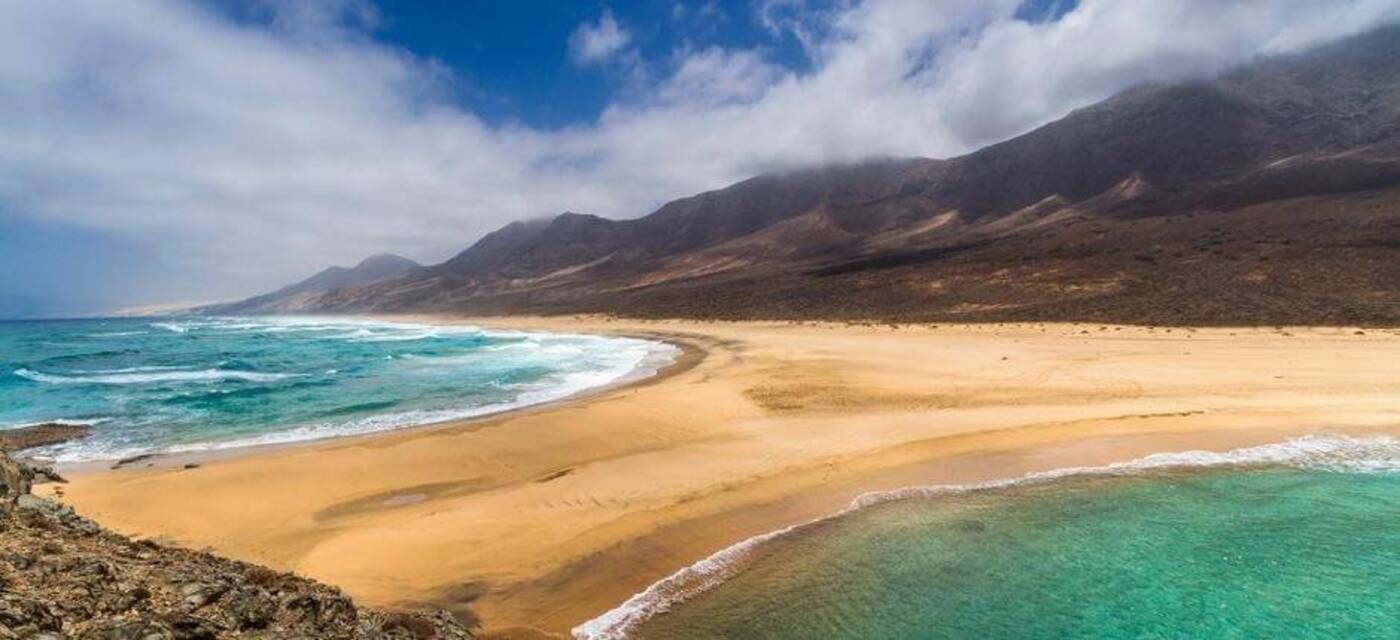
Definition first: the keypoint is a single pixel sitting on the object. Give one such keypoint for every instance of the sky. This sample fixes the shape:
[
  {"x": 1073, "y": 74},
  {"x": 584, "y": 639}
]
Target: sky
[{"x": 156, "y": 151}]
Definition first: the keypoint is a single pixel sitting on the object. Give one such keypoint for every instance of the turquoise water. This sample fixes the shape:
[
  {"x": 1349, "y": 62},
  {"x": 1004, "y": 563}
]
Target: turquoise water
[
  {"x": 1298, "y": 540},
  {"x": 186, "y": 384}
]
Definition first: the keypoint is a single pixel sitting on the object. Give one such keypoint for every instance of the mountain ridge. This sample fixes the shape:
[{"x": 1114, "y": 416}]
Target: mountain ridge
[
  {"x": 372, "y": 269},
  {"x": 1150, "y": 207}
]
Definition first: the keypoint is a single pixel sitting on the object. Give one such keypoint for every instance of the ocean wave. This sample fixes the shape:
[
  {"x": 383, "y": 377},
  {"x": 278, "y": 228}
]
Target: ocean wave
[
  {"x": 628, "y": 359},
  {"x": 646, "y": 359},
  {"x": 144, "y": 369},
  {"x": 213, "y": 396},
  {"x": 1325, "y": 453},
  {"x": 350, "y": 328},
  {"x": 78, "y": 451},
  {"x": 117, "y": 334},
  {"x": 386, "y": 333},
  {"x": 392, "y": 337},
  {"x": 542, "y": 348},
  {"x": 254, "y": 326},
  {"x": 70, "y": 422},
  {"x": 546, "y": 349},
  {"x": 403, "y": 333},
  {"x": 147, "y": 377}
]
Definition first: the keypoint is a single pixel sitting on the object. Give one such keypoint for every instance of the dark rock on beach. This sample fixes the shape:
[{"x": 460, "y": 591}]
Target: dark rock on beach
[
  {"x": 41, "y": 435},
  {"x": 141, "y": 457},
  {"x": 64, "y": 576}
]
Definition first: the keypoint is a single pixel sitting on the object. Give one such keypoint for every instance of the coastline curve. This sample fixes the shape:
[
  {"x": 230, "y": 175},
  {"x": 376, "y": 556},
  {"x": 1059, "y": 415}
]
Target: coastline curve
[{"x": 1320, "y": 452}]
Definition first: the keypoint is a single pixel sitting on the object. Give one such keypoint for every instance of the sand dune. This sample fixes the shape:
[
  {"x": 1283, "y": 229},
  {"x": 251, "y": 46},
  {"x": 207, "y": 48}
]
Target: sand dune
[{"x": 560, "y": 513}]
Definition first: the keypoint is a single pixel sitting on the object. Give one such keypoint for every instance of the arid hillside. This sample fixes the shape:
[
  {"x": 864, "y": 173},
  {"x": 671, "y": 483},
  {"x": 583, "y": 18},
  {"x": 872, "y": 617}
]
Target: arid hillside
[{"x": 1268, "y": 195}]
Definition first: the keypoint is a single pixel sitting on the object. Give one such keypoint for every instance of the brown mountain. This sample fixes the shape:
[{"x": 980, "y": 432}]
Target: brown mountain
[
  {"x": 295, "y": 296},
  {"x": 1270, "y": 194}
]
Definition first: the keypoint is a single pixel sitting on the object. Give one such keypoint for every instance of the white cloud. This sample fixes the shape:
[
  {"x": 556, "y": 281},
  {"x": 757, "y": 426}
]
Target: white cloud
[
  {"x": 254, "y": 155},
  {"x": 715, "y": 76},
  {"x": 708, "y": 12},
  {"x": 596, "y": 42},
  {"x": 796, "y": 18}
]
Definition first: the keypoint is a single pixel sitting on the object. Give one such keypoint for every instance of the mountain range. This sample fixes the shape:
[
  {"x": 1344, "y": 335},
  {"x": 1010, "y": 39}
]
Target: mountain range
[
  {"x": 297, "y": 296},
  {"x": 1267, "y": 195}
]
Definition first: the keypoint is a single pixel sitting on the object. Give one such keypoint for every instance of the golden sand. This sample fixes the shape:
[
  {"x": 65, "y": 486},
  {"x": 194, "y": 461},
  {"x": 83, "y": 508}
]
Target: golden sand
[{"x": 559, "y": 513}]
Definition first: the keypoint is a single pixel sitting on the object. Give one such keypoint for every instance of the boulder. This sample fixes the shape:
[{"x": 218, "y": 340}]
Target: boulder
[
  {"x": 26, "y": 617},
  {"x": 15, "y": 479},
  {"x": 138, "y": 630},
  {"x": 41, "y": 435}
]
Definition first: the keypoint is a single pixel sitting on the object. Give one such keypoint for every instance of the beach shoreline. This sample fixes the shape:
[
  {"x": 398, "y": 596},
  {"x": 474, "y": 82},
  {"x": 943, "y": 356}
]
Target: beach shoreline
[
  {"x": 686, "y": 356},
  {"x": 1332, "y": 452},
  {"x": 561, "y": 512}
]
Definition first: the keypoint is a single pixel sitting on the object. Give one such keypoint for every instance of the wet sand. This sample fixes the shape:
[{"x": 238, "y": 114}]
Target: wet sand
[{"x": 544, "y": 518}]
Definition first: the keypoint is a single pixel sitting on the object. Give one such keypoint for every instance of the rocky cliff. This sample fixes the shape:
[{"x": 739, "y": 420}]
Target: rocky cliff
[{"x": 63, "y": 576}]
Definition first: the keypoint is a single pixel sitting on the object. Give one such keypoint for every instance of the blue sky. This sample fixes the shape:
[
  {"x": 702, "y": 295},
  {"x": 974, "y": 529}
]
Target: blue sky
[
  {"x": 511, "y": 60},
  {"x": 193, "y": 150}
]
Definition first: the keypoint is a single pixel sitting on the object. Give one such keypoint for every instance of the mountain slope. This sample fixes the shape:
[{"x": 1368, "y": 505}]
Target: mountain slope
[
  {"x": 370, "y": 270},
  {"x": 1266, "y": 195}
]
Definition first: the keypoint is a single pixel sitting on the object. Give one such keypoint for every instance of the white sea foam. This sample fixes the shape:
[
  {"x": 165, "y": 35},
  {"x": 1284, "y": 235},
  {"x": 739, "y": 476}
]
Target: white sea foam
[
  {"x": 635, "y": 359},
  {"x": 368, "y": 336},
  {"x": 543, "y": 351},
  {"x": 72, "y": 422},
  {"x": 366, "y": 331},
  {"x": 614, "y": 361},
  {"x": 1329, "y": 453},
  {"x": 127, "y": 370},
  {"x": 147, "y": 377},
  {"x": 354, "y": 327},
  {"x": 353, "y": 335}
]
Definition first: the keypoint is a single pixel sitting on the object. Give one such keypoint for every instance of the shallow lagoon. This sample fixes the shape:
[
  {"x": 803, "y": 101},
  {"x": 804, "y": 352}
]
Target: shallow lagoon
[{"x": 1301, "y": 540}]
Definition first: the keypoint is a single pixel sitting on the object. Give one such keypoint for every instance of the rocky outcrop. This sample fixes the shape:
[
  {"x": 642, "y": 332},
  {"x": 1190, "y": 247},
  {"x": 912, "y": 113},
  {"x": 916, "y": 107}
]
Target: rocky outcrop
[
  {"x": 15, "y": 479},
  {"x": 41, "y": 435},
  {"x": 63, "y": 576}
]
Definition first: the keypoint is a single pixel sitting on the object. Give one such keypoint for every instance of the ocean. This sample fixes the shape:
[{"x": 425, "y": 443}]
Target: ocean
[
  {"x": 1299, "y": 539},
  {"x": 154, "y": 385}
]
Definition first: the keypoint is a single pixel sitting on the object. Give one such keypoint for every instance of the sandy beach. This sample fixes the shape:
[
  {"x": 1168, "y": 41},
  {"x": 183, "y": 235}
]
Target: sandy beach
[{"x": 541, "y": 519}]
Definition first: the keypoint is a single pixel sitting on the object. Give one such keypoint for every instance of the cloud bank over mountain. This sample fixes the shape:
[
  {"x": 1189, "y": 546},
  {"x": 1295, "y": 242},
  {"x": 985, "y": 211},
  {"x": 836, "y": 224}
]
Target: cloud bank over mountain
[{"x": 249, "y": 152}]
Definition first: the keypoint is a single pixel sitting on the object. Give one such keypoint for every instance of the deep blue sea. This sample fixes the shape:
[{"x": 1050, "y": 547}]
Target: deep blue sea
[
  {"x": 180, "y": 384},
  {"x": 1299, "y": 539}
]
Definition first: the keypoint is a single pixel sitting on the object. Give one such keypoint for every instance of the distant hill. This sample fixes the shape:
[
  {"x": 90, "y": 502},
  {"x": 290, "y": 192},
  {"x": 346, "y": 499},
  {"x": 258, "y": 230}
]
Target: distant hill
[
  {"x": 295, "y": 296},
  {"x": 1270, "y": 194}
]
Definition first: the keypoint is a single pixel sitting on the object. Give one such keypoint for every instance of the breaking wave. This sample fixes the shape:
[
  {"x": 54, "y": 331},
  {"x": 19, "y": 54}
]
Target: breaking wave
[
  {"x": 147, "y": 375},
  {"x": 197, "y": 383}
]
